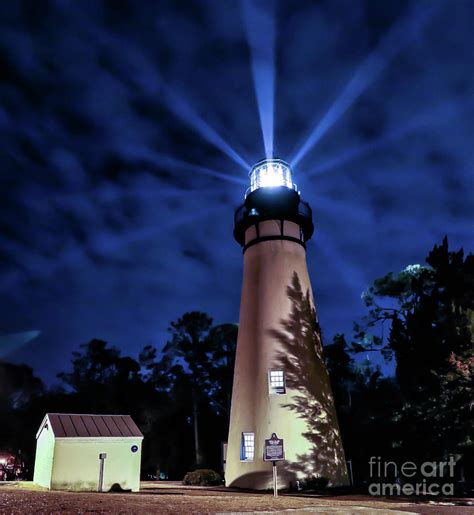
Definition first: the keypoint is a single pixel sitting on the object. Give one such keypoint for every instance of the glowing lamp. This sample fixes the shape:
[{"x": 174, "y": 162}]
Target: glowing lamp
[{"x": 270, "y": 173}]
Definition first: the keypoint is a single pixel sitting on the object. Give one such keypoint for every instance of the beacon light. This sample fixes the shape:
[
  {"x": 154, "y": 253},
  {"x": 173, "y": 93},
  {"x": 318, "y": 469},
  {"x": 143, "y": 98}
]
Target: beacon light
[{"x": 270, "y": 173}]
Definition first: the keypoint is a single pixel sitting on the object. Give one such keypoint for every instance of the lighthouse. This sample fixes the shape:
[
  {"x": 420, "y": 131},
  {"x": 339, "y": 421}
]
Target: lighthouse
[{"x": 281, "y": 385}]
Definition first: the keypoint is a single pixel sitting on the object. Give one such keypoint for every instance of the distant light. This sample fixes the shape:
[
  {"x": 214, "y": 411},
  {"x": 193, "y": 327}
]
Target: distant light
[
  {"x": 270, "y": 173},
  {"x": 413, "y": 269}
]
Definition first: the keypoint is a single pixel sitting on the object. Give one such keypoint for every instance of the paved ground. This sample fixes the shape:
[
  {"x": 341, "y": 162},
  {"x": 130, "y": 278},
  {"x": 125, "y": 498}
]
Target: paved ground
[{"x": 169, "y": 497}]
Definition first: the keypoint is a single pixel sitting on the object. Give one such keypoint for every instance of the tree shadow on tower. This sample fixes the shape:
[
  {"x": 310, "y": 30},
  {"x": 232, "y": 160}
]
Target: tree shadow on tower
[{"x": 309, "y": 394}]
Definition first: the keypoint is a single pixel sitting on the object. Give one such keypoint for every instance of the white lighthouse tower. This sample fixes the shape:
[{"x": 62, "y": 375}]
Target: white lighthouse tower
[{"x": 280, "y": 381}]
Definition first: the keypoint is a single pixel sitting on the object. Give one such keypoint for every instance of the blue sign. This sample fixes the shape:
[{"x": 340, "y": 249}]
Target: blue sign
[
  {"x": 134, "y": 448},
  {"x": 274, "y": 449}
]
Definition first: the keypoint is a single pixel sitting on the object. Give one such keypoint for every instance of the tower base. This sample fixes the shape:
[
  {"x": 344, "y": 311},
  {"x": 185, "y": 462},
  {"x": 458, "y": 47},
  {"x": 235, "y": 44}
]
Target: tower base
[{"x": 279, "y": 331}]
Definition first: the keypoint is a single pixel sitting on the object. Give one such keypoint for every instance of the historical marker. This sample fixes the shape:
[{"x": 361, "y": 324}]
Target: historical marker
[
  {"x": 274, "y": 452},
  {"x": 274, "y": 449}
]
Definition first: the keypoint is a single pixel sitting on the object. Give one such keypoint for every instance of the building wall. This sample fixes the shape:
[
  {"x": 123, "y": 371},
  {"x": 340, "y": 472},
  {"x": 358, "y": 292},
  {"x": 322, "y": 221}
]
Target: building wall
[
  {"x": 76, "y": 463},
  {"x": 44, "y": 457},
  {"x": 271, "y": 337}
]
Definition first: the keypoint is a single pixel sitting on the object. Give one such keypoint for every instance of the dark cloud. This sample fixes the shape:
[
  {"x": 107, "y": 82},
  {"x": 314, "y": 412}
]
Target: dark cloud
[{"x": 107, "y": 231}]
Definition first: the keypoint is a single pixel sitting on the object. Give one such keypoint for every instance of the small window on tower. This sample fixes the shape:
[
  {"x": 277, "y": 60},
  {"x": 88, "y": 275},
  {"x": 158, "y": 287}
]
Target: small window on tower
[
  {"x": 247, "y": 449},
  {"x": 276, "y": 379}
]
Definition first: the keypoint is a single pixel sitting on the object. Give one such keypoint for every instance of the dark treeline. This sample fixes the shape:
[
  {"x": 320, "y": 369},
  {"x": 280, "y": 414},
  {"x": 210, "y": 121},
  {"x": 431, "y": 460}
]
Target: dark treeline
[
  {"x": 180, "y": 400},
  {"x": 422, "y": 318}
]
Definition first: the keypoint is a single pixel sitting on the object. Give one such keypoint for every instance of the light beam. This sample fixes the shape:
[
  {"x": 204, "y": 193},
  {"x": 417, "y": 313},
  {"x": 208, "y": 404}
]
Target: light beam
[
  {"x": 351, "y": 275},
  {"x": 259, "y": 21},
  {"x": 337, "y": 207},
  {"x": 102, "y": 243},
  {"x": 398, "y": 37},
  {"x": 436, "y": 115},
  {"x": 181, "y": 108},
  {"x": 165, "y": 159},
  {"x": 11, "y": 342}
]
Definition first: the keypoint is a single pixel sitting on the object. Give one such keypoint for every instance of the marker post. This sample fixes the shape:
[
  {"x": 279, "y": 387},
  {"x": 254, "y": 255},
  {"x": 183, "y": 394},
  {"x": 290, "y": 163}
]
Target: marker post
[
  {"x": 275, "y": 480},
  {"x": 273, "y": 452}
]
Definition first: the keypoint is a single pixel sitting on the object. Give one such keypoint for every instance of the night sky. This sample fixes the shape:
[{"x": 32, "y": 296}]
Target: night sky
[{"x": 127, "y": 130}]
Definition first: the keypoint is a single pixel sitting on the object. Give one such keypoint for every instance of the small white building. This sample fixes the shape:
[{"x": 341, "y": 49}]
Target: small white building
[{"x": 88, "y": 452}]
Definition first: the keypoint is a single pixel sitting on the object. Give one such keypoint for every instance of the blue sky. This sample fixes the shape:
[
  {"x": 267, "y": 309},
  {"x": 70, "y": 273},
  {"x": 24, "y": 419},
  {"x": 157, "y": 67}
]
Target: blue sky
[{"x": 126, "y": 128}]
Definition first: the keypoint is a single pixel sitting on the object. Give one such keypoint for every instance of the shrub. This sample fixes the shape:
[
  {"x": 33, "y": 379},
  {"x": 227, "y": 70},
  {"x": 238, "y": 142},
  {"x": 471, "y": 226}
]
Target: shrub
[
  {"x": 316, "y": 483},
  {"x": 202, "y": 477}
]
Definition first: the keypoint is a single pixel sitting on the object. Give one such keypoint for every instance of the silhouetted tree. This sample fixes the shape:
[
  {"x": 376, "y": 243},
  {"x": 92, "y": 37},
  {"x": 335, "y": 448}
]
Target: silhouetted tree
[
  {"x": 341, "y": 370},
  {"x": 189, "y": 345},
  {"x": 196, "y": 369},
  {"x": 223, "y": 343},
  {"x": 19, "y": 387},
  {"x": 426, "y": 312},
  {"x": 104, "y": 381}
]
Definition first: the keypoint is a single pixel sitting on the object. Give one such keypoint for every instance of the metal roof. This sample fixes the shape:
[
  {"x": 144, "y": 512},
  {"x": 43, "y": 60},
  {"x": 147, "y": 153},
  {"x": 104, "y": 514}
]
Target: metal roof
[{"x": 76, "y": 426}]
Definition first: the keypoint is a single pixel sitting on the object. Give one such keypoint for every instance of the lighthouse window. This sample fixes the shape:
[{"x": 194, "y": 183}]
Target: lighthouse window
[
  {"x": 277, "y": 381},
  {"x": 247, "y": 450}
]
